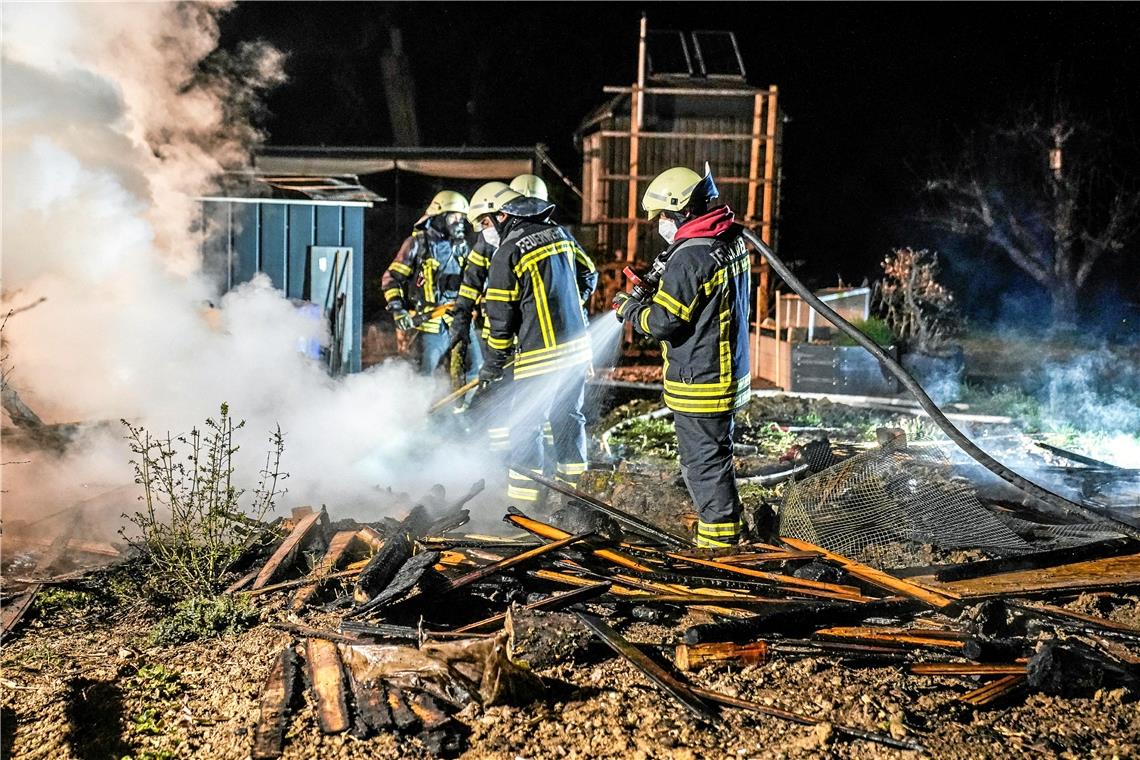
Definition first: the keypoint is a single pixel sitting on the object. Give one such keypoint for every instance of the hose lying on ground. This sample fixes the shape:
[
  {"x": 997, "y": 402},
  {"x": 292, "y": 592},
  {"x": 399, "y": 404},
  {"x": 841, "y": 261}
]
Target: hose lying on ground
[{"x": 928, "y": 405}]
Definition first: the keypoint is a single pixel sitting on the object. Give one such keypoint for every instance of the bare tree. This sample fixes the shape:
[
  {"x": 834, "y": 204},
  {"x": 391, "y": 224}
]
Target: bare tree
[{"x": 1044, "y": 192}]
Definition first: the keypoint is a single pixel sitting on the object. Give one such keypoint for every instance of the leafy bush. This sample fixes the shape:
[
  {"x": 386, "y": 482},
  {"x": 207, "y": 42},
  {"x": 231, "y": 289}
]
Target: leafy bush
[
  {"x": 193, "y": 526},
  {"x": 203, "y": 617},
  {"x": 874, "y": 328}
]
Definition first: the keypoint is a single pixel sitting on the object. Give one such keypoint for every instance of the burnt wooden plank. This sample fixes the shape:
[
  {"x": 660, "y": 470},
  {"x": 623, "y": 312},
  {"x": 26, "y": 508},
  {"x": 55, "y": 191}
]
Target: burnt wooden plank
[
  {"x": 12, "y": 614},
  {"x": 310, "y": 529},
  {"x": 789, "y": 583},
  {"x": 993, "y": 691},
  {"x": 543, "y": 530},
  {"x": 551, "y": 603},
  {"x": 1110, "y": 572},
  {"x": 1038, "y": 560},
  {"x": 326, "y": 676},
  {"x": 372, "y": 537},
  {"x": 876, "y": 577},
  {"x": 966, "y": 669},
  {"x": 402, "y": 714},
  {"x": 382, "y": 568},
  {"x": 514, "y": 560},
  {"x": 370, "y": 700},
  {"x": 338, "y": 551},
  {"x": 276, "y": 700},
  {"x": 691, "y": 657}
]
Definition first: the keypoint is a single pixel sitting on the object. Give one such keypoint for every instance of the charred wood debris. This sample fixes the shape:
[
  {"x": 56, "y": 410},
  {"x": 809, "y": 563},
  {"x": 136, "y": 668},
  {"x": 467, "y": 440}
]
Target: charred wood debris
[{"x": 432, "y": 619}]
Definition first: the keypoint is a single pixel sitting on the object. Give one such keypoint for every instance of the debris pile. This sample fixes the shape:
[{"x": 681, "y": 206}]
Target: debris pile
[
  {"x": 406, "y": 642},
  {"x": 412, "y": 626}
]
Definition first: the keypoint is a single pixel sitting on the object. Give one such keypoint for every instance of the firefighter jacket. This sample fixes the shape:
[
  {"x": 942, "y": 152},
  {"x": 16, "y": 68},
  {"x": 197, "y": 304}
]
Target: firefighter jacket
[
  {"x": 426, "y": 272},
  {"x": 538, "y": 280},
  {"x": 700, "y": 315},
  {"x": 474, "y": 280}
]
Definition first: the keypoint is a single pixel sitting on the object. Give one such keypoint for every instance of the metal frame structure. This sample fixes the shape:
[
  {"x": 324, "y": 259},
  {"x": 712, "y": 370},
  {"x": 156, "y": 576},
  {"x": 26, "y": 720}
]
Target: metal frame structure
[{"x": 670, "y": 119}]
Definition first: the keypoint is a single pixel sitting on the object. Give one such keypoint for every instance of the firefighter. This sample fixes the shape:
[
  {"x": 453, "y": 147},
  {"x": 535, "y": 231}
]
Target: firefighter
[
  {"x": 487, "y": 200},
  {"x": 426, "y": 273},
  {"x": 699, "y": 312},
  {"x": 539, "y": 279},
  {"x": 531, "y": 186}
]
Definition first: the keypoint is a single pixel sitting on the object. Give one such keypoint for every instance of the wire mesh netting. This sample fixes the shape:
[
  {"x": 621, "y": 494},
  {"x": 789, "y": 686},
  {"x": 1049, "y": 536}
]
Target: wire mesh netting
[{"x": 889, "y": 495}]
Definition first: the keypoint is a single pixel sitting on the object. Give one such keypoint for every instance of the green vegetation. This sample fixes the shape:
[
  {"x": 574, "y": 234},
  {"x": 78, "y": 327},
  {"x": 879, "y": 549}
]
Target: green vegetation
[
  {"x": 874, "y": 328},
  {"x": 63, "y": 600},
  {"x": 1006, "y": 400},
  {"x": 156, "y": 686},
  {"x": 771, "y": 439},
  {"x": 194, "y": 525},
  {"x": 653, "y": 437},
  {"x": 203, "y": 617},
  {"x": 156, "y": 682}
]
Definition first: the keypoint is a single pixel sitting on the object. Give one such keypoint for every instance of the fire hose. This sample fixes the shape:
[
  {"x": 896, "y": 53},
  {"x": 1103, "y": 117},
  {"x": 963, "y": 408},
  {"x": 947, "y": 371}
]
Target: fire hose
[{"x": 953, "y": 433}]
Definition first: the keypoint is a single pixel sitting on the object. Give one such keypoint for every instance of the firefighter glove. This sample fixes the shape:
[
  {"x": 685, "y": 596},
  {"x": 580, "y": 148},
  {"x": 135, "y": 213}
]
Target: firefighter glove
[
  {"x": 489, "y": 374},
  {"x": 622, "y": 304},
  {"x": 403, "y": 320}
]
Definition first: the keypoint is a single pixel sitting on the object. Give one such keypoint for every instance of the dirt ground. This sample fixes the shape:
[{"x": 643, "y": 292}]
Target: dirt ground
[
  {"x": 86, "y": 683},
  {"x": 72, "y": 690}
]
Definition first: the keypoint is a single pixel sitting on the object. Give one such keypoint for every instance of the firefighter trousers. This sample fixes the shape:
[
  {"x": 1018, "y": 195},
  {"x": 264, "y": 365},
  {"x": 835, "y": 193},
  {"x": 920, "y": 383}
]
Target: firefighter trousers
[
  {"x": 705, "y": 448},
  {"x": 557, "y": 398}
]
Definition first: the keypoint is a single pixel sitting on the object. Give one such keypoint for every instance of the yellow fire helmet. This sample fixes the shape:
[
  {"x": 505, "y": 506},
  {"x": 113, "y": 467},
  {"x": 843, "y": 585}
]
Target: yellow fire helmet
[
  {"x": 672, "y": 189},
  {"x": 446, "y": 201},
  {"x": 488, "y": 199},
  {"x": 531, "y": 186}
]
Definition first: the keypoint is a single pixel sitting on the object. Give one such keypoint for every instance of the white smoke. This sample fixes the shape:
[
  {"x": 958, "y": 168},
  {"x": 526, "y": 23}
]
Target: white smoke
[
  {"x": 1097, "y": 393},
  {"x": 110, "y": 130}
]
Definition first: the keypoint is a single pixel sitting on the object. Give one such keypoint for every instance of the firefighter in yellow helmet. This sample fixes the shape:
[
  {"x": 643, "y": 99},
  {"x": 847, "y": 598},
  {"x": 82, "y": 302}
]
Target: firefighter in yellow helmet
[
  {"x": 695, "y": 300},
  {"x": 538, "y": 280},
  {"x": 531, "y": 186},
  {"x": 426, "y": 273}
]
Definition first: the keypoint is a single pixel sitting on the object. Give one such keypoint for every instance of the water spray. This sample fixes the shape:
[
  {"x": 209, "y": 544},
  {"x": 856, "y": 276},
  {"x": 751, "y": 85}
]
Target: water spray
[{"x": 928, "y": 405}]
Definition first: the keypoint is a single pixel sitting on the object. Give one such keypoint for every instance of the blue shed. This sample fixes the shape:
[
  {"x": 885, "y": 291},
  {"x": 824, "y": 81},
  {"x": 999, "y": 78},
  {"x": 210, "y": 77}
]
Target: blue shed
[{"x": 307, "y": 234}]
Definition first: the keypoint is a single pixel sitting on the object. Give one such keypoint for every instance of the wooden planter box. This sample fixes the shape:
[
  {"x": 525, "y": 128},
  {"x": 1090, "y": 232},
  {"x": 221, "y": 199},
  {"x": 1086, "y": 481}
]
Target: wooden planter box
[{"x": 840, "y": 369}]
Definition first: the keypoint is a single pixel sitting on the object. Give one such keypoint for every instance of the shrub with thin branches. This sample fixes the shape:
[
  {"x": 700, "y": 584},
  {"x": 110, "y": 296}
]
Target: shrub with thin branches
[
  {"x": 193, "y": 525},
  {"x": 918, "y": 308}
]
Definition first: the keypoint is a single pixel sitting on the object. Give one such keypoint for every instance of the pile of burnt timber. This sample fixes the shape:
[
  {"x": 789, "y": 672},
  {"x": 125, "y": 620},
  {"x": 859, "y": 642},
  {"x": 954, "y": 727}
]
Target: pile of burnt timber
[
  {"x": 429, "y": 620},
  {"x": 50, "y": 551}
]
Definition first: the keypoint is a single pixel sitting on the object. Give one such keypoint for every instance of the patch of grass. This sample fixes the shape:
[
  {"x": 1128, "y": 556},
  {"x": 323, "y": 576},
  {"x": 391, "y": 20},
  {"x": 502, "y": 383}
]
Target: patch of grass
[
  {"x": 648, "y": 437},
  {"x": 1008, "y": 401},
  {"x": 147, "y": 722},
  {"x": 770, "y": 438},
  {"x": 204, "y": 617},
  {"x": 920, "y": 429},
  {"x": 874, "y": 328},
  {"x": 156, "y": 682},
  {"x": 811, "y": 418},
  {"x": 64, "y": 600}
]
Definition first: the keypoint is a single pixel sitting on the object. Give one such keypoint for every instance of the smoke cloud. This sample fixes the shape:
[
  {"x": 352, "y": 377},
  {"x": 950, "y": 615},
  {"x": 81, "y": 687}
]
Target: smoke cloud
[{"x": 115, "y": 116}]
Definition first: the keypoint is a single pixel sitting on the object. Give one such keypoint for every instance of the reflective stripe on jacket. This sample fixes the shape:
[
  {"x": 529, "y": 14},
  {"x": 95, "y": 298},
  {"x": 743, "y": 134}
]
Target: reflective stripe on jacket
[
  {"x": 700, "y": 315},
  {"x": 539, "y": 278},
  {"x": 426, "y": 271}
]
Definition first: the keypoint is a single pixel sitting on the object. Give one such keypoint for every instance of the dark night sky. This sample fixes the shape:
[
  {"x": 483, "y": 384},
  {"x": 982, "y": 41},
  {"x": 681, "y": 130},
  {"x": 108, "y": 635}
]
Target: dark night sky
[{"x": 873, "y": 90}]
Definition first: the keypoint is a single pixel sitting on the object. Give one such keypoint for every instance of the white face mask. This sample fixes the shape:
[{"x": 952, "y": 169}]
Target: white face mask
[
  {"x": 667, "y": 228},
  {"x": 491, "y": 235}
]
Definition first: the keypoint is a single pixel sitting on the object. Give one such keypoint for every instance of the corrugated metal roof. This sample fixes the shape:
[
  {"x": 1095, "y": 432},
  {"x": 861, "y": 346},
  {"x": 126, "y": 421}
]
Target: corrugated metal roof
[{"x": 281, "y": 186}]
